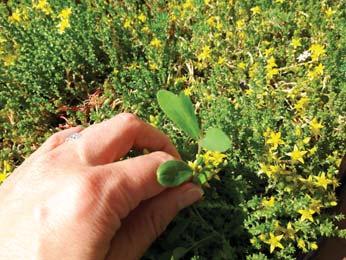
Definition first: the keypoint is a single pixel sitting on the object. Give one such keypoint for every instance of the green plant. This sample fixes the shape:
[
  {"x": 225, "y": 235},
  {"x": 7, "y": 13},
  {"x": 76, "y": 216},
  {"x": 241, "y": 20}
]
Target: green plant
[
  {"x": 181, "y": 111},
  {"x": 270, "y": 74}
]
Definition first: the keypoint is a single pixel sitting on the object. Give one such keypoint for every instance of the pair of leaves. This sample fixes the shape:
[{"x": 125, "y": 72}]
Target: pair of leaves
[{"x": 181, "y": 111}]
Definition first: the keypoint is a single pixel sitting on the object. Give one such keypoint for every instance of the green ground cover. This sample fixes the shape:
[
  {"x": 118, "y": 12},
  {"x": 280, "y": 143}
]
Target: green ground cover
[{"x": 270, "y": 74}]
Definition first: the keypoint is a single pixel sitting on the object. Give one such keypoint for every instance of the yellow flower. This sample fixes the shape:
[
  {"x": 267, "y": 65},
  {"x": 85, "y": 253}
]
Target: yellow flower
[
  {"x": 127, "y": 23},
  {"x": 313, "y": 246},
  {"x": 241, "y": 65},
  {"x": 221, "y": 61},
  {"x": 15, "y": 17},
  {"x": 208, "y": 97},
  {"x": 264, "y": 168},
  {"x": 319, "y": 69},
  {"x": 142, "y": 17},
  {"x": 271, "y": 62},
  {"x": 315, "y": 126},
  {"x": 205, "y": 53},
  {"x": 145, "y": 29},
  {"x": 301, "y": 244},
  {"x": 296, "y": 155},
  {"x": 156, "y": 43},
  {"x": 295, "y": 43},
  {"x": 306, "y": 214},
  {"x": 316, "y": 72},
  {"x": 275, "y": 140},
  {"x": 65, "y": 13},
  {"x": 268, "y": 202},
  {"x": 256, "y": 10},
  {"x": 188, "y": 91},
  {"x": 63, "y": 25},
  {"x": 271, "y": 170},
  {"x": 322, "y": 181},
  {"x": 219, "y": 26},
  {"x": 330, "y": 12},
  {"x": 271, "y": 68},
  {"x": 269, "y": 52},
  {"x": 279, "y": 1},
  {"x": 317, "y": 50},
  {"x": 43, "y": 6},
  {"x": 188, "y": 4},
  {"x": 301, "y": 104},
  {"x": 211, "y": 21},
  {"x": 249, "y": 92},
  {"x": 240, "y": 24},
  {"x": 274, "y": 242},
  {"x": 153, "y": 66},
  {"x": 213, "y": 158},
  {"x": 272, "y": 72}
]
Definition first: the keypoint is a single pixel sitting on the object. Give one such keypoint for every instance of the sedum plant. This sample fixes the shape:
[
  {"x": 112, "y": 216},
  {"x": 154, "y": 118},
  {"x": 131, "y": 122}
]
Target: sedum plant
[
  {"x": 271, "y": 74},
  {"x": 181, "y": 111}
]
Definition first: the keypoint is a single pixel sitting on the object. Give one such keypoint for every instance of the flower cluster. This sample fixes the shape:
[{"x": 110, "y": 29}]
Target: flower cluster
[
  {"x": 64, "y": 17},
  {"x": 208, "y": 165}
]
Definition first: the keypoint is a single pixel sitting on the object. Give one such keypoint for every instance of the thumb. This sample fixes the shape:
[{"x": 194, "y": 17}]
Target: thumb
[{"x": 149, "y": 220}]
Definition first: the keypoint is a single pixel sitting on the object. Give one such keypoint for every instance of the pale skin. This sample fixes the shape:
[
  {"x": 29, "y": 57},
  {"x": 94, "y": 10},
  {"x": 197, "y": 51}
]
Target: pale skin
[{"x": 78, "y": 200}]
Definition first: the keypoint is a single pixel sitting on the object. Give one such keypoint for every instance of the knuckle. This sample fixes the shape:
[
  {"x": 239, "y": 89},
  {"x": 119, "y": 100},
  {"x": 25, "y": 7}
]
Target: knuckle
[
  {"x": 87, "y": 190},
  {"x": 128, "y": 118},
  {"x": 94, "y": 200},
  {"x": 54, "y": 140},
  {"x": 50, "y": 157},
  {"x": 130, "y": 122}
]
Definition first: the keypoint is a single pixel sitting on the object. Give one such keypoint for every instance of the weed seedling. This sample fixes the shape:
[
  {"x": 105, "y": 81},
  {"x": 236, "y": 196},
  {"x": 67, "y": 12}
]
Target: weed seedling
[{"x": 172, "y": 173}]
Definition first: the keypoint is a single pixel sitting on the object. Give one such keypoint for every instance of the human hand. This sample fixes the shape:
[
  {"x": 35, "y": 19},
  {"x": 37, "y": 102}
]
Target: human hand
[{"x": 76, "y": 200}]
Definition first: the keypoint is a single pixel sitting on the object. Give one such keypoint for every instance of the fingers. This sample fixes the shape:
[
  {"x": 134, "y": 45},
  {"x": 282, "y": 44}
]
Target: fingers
[
  {"x": 57, "y": 139},
  {"x": 131, "y": 181},
  {"x": 149, "y": 220},
  {"x": 112, "y": 139}
]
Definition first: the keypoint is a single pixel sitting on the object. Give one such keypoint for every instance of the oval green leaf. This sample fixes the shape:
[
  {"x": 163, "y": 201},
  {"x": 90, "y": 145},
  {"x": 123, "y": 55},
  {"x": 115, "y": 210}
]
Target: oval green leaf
[
  {"x": 180, "y": 110},
  {"x": 216, "y": 140},
  {"x": 173, "y": 173}
]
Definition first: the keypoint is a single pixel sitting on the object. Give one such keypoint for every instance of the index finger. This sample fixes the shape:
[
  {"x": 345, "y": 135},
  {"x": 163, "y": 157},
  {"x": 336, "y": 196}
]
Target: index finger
[{"x": 112, "y": 139}]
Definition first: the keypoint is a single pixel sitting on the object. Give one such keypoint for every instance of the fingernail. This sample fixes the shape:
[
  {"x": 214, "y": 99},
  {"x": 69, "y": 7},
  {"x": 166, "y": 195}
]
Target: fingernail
[{"x": 190, "y": 196}]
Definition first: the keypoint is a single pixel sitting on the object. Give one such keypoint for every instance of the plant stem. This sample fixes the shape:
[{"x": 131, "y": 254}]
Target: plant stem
[{"x": 195, "y": 173}]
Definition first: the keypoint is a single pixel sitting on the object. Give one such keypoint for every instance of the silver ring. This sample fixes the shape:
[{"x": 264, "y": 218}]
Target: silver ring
[{"x": 73, "y": 137}]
